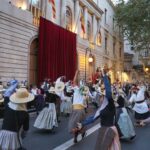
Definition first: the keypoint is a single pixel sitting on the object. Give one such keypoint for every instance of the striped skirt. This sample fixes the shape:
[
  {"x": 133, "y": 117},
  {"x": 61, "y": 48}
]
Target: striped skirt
[
  {"x": 66, "y": 107},
  {"x": 9, "y": 140},
  {"x": 47, "y": 118},
  {"x": 76, "y": 116}
]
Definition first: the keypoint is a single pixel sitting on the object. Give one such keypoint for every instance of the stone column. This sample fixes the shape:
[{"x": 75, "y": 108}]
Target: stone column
[
  {"x": 63, "y": 13},
  {"x": 86, "y": 20},
  {"x": 76, "y": 24},
  {"x": 94, "y": 29}
]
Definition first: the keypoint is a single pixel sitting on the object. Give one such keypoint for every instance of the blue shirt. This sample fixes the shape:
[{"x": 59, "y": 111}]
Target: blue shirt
[{"x": 11, "y": 89}]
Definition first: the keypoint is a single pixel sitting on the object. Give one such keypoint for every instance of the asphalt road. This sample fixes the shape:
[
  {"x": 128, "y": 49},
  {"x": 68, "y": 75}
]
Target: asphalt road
[{"x": 45, "y": 140}]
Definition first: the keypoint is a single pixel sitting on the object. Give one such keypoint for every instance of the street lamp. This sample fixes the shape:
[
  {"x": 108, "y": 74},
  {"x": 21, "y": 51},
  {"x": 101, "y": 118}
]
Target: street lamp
[
  {"x": 90, "y": 59},
  {"x": 146, "y": 69}
]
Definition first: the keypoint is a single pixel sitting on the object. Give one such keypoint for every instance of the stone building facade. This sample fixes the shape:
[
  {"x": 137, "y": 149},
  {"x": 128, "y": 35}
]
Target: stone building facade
[{"x": 19, "y": 23}]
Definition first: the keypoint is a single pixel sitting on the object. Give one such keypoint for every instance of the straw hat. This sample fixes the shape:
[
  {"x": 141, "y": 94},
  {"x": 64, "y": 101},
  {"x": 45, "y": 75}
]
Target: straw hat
[
  {"x": 2, "y": 88},
  {"x": 21, "y": 96},
  {"x": 51, "y": 90},
  {"x": 86, "y": 90},
  {"x": 1, "y": 98},
  {"x": 59, "y": 86}
]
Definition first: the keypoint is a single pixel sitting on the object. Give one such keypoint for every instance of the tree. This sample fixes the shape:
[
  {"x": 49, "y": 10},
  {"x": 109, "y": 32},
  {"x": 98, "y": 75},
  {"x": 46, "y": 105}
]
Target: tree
[{"x": 134, "y": 19}]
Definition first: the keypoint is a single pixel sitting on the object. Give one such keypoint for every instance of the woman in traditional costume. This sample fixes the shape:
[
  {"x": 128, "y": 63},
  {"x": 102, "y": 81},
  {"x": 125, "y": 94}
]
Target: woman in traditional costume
[
  {"x": 124, "y": 121},
  {"x": 78, "y": 113},
  {"x": 140, "y": 107},
  {"x": 16, "y": 120},
  {"x": 108, "y": 138},
  {"x": 47, "y": 118}
]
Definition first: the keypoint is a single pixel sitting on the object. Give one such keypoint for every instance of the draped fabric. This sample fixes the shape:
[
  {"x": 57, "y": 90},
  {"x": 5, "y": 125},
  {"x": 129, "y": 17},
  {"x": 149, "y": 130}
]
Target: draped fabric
[{"x": 57, "y": 52}]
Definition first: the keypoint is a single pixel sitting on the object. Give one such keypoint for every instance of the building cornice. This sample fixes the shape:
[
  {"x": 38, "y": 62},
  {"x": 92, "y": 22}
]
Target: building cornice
[
  {"x": 111, "y": 4},
  {"x": 92, "y": 7}
]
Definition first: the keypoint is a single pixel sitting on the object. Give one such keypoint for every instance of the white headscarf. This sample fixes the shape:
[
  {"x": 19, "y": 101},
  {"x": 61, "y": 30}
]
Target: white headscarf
[{"x": 19, "y": 107}]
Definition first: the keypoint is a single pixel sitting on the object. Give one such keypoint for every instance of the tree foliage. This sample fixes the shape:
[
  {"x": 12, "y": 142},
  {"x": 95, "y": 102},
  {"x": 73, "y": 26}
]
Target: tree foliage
[{"x": 134, "y": 19}]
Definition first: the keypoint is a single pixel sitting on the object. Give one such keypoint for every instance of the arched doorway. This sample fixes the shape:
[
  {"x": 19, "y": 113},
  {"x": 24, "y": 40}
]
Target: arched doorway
[{"x": 33, "y": 62}]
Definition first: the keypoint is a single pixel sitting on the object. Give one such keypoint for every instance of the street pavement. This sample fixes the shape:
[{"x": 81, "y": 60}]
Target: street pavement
[{"x": 45, "y": 140}]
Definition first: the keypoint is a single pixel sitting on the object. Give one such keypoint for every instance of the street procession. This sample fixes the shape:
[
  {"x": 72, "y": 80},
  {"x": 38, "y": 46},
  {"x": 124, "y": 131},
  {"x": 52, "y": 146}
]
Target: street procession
[{"x": 74, "y": 74}]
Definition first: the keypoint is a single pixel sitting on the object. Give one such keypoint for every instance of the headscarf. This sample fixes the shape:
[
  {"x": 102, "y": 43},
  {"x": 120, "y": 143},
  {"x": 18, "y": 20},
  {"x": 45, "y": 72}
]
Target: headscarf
[{"x": 18, "y": 107}]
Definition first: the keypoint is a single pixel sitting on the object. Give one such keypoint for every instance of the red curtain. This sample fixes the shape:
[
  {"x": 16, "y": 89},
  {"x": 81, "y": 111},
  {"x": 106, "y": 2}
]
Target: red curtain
[{"x": 57, "y": 52}]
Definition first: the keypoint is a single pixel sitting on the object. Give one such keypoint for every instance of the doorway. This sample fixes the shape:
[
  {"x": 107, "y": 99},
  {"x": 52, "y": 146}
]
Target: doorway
[{"x": 33, "y": 62}]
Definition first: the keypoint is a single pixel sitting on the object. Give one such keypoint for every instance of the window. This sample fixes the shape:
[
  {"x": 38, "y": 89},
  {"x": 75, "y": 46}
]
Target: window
[
  {"x": 114, "y": 48},
  {"x": 113, "y": 23},
  {"x": 99, "y": 39},
  {"x": 105, "y": 15},
  {"x": 120, "y": 52},
  {"x": 146, "y": 53},
  {"x": 88, "y": 31},
  {"x": 106, "y": 44},
  {"x": 35, "y": 8},
  {"x": 68, "y": 19}
]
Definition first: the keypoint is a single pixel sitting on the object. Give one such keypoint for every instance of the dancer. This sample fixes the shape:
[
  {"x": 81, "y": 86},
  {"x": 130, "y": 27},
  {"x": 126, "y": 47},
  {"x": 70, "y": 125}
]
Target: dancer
[
  {"x": 47, "y": 119},
  {"x": 108, "y": 135},
  {"x": 78, "y": 113},
  {"x": 124, "y": 121},
  {"x": 16, "y": 120},
  {"x": 140, "y": 106}
]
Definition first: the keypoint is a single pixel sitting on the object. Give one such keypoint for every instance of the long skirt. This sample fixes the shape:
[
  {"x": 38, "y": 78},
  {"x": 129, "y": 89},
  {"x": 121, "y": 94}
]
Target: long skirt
[
  {"x": 66, "y": 107},
  {"x": 47, "y": 118},
  {"x": 108, "y": 139},
  {"x": 9, "y": 140},
  {"x": 143, "y": 116},
  {"x": 76, "y": 116},
  {"x": 126, "y": 125}
]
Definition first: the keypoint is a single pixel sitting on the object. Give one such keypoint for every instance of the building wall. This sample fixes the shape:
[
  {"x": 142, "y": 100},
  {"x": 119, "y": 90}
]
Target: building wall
[
  {"x": 18, "y": 24},
  {"x": 16, "y": 32}
]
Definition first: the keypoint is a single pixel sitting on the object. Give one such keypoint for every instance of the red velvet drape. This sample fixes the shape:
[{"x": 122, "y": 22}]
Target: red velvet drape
[{"x": 57, "y": 52}]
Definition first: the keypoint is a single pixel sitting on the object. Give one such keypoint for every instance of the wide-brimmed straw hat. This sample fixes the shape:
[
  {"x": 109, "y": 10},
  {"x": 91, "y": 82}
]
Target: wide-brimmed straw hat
[
  {"x": 51, "y": 90},
  {"x": 1, "y": 98},
  {"x": 2, "y": 88},
  {"x": 21, "y": 96},
  {"x": 86, "y": 90},
  {"x": 59, "y": 86}
]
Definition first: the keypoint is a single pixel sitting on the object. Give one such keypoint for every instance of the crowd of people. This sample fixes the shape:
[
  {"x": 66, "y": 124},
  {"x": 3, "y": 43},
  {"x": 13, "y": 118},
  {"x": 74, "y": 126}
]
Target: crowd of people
[{"x": 120, "y": 107}]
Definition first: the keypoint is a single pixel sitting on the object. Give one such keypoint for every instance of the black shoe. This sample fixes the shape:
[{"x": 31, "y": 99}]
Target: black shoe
[
  {"x": 83, "y": 134},
  {"x": 75, "y": 140},
  {"x": 133, "y": 137}
]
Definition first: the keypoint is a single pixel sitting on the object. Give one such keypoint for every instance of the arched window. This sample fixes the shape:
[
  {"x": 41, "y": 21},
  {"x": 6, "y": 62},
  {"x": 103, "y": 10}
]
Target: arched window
[
  {"x": 99, "y": 39},
  {"x": 88, "y": 31},
  {"x": 68, "y": 19}
]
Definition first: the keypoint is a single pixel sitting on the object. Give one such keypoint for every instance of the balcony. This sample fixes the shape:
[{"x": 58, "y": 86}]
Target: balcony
[
  {"x": 144, "y": 55},
  {"x": 37, "y": 13}
]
